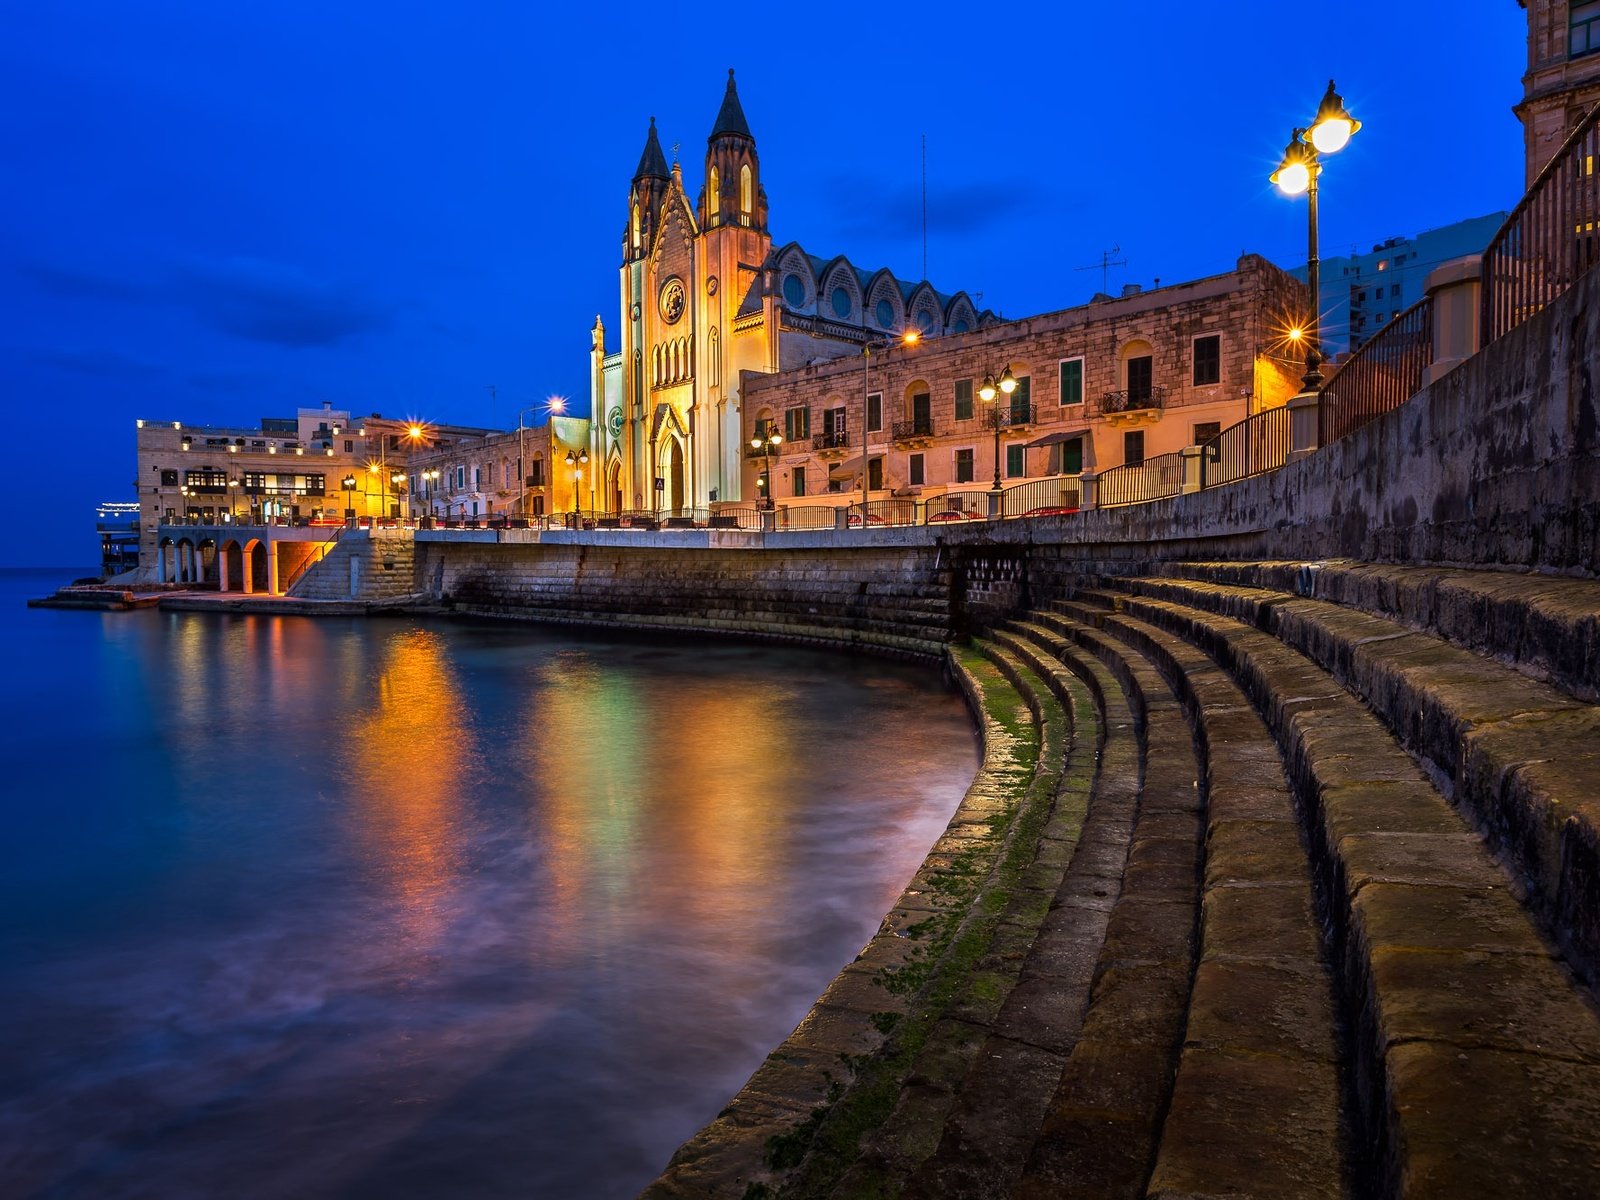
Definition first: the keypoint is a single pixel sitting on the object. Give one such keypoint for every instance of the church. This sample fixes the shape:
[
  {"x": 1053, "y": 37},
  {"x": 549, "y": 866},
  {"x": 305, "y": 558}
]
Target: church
[{"x": 705, "y": 299}]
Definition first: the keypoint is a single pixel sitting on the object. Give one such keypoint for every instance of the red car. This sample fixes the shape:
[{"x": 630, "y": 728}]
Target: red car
[
  {"x": 953, "y": 514},
  {"x": 872, "y": 519},
  {"x": 1048, "y": 511}
]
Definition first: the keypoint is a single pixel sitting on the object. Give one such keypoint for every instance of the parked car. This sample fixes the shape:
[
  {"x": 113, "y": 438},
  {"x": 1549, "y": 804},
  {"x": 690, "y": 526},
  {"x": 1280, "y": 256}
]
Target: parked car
[
  {"x": 872, "y": 519},
  {"x": 953, "y": 514},
  {"x": 1050, "y": 511}
]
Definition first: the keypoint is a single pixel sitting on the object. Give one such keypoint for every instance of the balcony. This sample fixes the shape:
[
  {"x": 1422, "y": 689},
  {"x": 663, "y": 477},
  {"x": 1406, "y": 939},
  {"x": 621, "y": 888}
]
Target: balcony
[
  {"x": 916, "y": 429},
  {"x": 1134, "y": 406},
  {"x": 1010, "y": 416},
  {"x": 834, "y": 442}
]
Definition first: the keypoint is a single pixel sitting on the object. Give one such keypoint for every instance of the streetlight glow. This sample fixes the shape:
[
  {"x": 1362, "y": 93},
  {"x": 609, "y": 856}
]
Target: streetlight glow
[{"x": 1334, "y": 126}]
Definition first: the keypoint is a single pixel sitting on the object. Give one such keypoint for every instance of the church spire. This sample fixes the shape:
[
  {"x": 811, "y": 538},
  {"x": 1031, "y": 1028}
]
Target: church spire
[
  {"x": 653, "y": 163},
  {"x": 730, "y": 118}
]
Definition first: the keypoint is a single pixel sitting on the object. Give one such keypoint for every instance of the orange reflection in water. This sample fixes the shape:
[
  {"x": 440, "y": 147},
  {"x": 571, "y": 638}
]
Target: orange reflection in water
[
  {"x": 629, "y": 804},
  {"x": 405, "y": 765}
]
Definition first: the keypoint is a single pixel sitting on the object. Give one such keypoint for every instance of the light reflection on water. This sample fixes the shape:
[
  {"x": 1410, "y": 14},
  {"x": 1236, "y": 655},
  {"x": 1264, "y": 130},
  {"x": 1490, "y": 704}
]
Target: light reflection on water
[{"x": 380, "y": 909}]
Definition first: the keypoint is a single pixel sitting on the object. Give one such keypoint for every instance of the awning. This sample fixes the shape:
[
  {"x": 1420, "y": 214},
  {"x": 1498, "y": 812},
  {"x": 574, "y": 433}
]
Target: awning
[
  {"x": 848, "y": 469},
  {"x": 1055, "y": 439}
]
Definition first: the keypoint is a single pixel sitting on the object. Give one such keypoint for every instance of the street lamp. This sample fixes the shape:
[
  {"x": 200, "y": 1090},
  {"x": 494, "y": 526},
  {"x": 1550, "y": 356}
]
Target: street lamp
[
  {"x": 430, "y": 479},
  {"x": 396, "y": 478},
  {"x": 990, "y": 391},
  {"x": 909, "y": 338},
  {"x": 1299, "y": 171},
  {"x": 552, "y": 406},
  {"x": 349, "y": 482},
  {"x": 575, "y": 460},
  {"x": 764, "y": 444}
]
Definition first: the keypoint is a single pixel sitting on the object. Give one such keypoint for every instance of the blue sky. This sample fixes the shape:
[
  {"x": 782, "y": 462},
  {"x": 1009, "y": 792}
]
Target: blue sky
[{"x": 217, "y": 212}]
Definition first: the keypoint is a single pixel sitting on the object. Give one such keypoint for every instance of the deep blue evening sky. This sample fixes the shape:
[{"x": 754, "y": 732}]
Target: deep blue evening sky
[{"x": 214, "y": 212}]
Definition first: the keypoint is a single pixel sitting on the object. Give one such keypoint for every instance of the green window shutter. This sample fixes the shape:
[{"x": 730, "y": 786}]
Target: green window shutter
[
  {"x": 1015, "y": 461},
  {"x": 1072, "y": 457},
  {"x": 963, "y": 399},
  {"x": 1072, "y": 381}
]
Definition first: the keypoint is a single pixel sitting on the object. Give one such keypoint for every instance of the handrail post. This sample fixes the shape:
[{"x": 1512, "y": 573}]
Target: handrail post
[
  {"x": 1303, "y": 433},
  {"x": 1456, "y": 289},
  {"x": 1087, "y": 492},
  {"x": 1191, "y": 469}
]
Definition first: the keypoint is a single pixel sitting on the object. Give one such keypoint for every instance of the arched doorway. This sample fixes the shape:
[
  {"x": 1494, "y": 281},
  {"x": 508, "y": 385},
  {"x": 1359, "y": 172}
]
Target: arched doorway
[
  {"x": 614, "y": 486},
  {"x": 231, "y": 569},
  {"x": 672, "y": 472}
]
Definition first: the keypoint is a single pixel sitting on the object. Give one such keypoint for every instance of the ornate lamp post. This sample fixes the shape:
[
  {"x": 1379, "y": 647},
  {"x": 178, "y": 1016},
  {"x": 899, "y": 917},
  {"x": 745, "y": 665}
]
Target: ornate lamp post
[
  {"x": 576, "y": 460},
  {"x": 764, "y": 444},
  {"x": 989, "y": 392},
  {"x": 1299, "y": 171},
  {"x": 349, "y": 482},
  {"x": 430, "y": 480}
]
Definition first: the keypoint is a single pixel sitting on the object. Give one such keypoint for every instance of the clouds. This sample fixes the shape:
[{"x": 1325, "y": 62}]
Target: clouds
[{"x": 277, "y": 304}]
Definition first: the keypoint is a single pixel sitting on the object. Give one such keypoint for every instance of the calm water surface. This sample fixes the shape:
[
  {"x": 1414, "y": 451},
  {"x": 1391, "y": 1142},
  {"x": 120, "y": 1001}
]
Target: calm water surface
[{"x": 296, "y": 908}]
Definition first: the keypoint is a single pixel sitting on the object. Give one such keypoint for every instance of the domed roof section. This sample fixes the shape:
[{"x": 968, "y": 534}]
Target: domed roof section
[{"x": 730, "y": 117}]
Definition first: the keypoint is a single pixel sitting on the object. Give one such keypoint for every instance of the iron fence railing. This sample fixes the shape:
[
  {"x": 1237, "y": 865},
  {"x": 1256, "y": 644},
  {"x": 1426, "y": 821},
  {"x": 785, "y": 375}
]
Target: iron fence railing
[
  {"x": 917, "y": 427},
  {"x": 837, "y": 439},
  {"x": 1256, "y": 444},
  {"x": 1136, "y": 483},
  {"x": 1380, "y": 376},
  {"x": 807, "y": 516},
  {"x": 1041, "y": 497},
  {"x": 1550, "y": 239}
]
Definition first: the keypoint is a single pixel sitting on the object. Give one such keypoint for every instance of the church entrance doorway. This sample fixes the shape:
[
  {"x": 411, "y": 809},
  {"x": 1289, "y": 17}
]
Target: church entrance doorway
[
  {"x": 674, "y": 473},
  {"x": 614, "y": 487}
]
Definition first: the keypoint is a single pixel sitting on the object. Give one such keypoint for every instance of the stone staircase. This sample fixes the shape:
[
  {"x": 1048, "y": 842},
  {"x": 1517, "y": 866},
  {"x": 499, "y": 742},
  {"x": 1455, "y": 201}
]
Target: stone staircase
[{"x": 1298, "y": 896}]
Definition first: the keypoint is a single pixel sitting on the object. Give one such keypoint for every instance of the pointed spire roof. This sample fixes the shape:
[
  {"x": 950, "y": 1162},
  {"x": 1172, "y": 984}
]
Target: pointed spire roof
[
  {"x": 730, "y": 118},
  {"x": 652, "y": 163}
]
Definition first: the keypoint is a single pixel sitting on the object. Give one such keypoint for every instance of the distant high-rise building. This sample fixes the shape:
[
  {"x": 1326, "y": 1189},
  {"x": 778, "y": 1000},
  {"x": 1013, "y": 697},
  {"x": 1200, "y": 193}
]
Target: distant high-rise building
[
  {"x": 1563, "y": 79},
  {"x": 1363, "y": 292}
]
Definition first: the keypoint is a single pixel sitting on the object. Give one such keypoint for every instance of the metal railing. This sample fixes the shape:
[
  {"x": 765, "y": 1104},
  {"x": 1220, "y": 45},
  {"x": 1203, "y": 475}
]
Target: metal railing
[
  {"x": 1380, "y": 376},
  {"x": 1136, "y": 483},
  {"x": 917, "y": 427},
  {"x": 1550, "y": 239},
  {"x": 1256, "y": 444},
  {"x": 312, "y": 559},
  {"x": 837, "y": 440},
  {"x": 1041, "y": 497},
  {"x": 1133, "y": 400}
]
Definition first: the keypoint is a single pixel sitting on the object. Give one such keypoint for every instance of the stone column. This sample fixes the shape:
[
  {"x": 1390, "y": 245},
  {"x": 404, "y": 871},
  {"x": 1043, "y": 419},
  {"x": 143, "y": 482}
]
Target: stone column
[
  {"x": 1191, "y": 468},
  {"x": 1087, "y": 491},
  {"x": 1456, "y": 288},
  {"x": 161, "y": 563},
  {"x": 1304, "y": 433},
  {"x": 247, "y": 565},
  {"x": 222, "y": 569},
  {"x": 272, "y": 566}
]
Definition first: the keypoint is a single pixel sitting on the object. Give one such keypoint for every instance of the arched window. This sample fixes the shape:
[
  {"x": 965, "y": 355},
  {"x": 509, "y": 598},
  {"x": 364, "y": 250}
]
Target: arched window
[
  {"x": 715, "y": 364},
  {"x": 635, "y": 224},
  {"x": 744, "y": 189},
  {"x": 714, "y": 194}
]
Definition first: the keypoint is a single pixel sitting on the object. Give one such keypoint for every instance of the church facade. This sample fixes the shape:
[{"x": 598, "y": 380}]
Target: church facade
[{"x": 705, "y": 297}]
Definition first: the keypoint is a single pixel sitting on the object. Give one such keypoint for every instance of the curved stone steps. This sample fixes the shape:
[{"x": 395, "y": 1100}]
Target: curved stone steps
[
  {"x": 1546, "y": 626},
  {"x": 1257, "y": 1105},
  {"x": 1100, "y": 1134},
  {"x": 1521, "y": 757},
  {"x": 1002, "y": 1099},
  {"x": 1476, "y": 1056},
  {"x": 887, "y": 1118}
]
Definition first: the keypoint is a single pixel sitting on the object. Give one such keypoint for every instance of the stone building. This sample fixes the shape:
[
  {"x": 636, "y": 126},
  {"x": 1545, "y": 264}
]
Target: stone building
[
  {"x": 285, "y": 470},
  {"x": 706, "y": 301},
  {"x": 1114, "y": 381},
  {"x": 516, "y": 473},
  {"x": 1563, "y": 79}
]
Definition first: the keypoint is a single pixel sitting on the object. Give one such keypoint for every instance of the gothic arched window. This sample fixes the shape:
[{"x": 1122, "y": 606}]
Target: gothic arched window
[
  {"x": 714, "y": 194},
  {"x": 744, "y": 189}
]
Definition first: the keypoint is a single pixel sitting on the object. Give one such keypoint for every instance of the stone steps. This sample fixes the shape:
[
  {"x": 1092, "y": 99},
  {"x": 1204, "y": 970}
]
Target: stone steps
[
  {"x": 1520, "y": 758},
  {"x": 1544, "y": 625},
  {"x": 1100, "y": 1134},
  {"x": 1476, "y": 1057},
  {"x": 1257, "y": 1107}
]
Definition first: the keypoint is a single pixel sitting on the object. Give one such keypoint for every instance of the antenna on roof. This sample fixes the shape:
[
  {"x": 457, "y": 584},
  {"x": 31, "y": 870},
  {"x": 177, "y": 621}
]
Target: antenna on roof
[
  {"x": 1104, "y": 266},
  {"x": 924, "y": 206}
]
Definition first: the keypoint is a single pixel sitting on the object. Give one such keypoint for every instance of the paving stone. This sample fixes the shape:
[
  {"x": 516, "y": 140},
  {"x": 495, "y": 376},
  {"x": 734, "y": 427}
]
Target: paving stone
[
  {"x": 1263, "y": 1008},
  {"x": 1258, "y": 924},
  {"x": 1255, "y": 852}
]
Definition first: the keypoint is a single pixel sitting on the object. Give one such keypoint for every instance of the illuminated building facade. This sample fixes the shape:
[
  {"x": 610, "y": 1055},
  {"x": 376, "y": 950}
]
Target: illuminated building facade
[
  {"x": 1563, "y": 79},
  {"x": 705, "y": 299},
  {"x": 1118, "y": 380},
  {"x": 514, "y": 473}
]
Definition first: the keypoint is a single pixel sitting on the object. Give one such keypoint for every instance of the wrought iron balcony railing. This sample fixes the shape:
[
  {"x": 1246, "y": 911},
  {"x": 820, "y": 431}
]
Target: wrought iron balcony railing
[
  {"x": 1134, "y": 399},
  {"x": 917, "y": 427},
  {"x": 836, "y": 440}
]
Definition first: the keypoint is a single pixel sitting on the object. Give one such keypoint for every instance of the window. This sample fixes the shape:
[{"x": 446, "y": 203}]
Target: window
[
  {"x": 207, "y": 479},
  {"x": 1584, "y": 29},
  {"x": 477, "y": 479},
  {"x": 1016, "y": 462},
  {"x": 797, "y": 481},
  {"x": 1204, "y": 431},
  {"x": 1072, "y": 457},
  {"x": 538, "y": 506},
  {"x": 794, "y": 291},
  {"x": 1071, "y": 381},
  {"x": 874, "y": 412},
  {"x": 840, "y": 301},
  {"x": 797, "y": 424},
  {"x": 461, "y": 478},
  {"x": 915, "y": 467},
  {"x": 874, "y": 474},
  {"x": 885, "y": 314},
  {"x": 964, "y": 466},
  {"x": 713, "y": 199},
  {"x": 1141, "y": 373},
  {"x": 835, "y": 429},
  {"x": 349, "y": 447},
  {"x": 1361, "y": 297},
  {"x": 536, "y": 473},
  {"x": 1208, "y": 360},
  {"x": 963, "y": 399},
  {"x": 744, "y": 189},
  {"x": 1021, "y": 401},
  {"x": 169, "y": 478},
  {"x": 1133, "y": 447}
]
